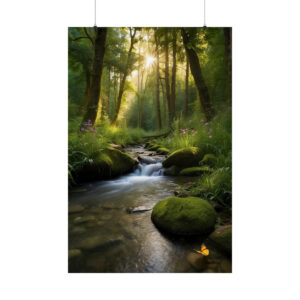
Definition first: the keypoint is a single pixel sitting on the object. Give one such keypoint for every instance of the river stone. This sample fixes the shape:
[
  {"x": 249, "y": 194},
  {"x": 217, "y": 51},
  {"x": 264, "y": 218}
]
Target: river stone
[
  {"x": 222, "y": 238},
  {"x": 186, "y": 216},
  {"x": 99, "y": 242},
  {"x": 139, "y": 209},
  {"x": 184, "y": 158},
  {"x": 74, "y": 253},
  {"x": 146, "y": 160},
  {"x": 85, "y": 219},
  {"x": 226, "y": 266},
  {"x": 198, "y": 261},
  {"x": 75, "y": 209}
]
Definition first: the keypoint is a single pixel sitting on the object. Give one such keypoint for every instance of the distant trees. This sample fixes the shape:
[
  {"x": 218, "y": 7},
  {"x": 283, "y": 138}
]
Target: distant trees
[
  {"x": 132, "y": 32},
  {"x": 159, "y": 124},
  {"x": 108, "y": 69}
]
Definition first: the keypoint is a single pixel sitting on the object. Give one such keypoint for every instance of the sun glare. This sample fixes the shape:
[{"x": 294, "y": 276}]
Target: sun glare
[{"x": 149, "y": 61}]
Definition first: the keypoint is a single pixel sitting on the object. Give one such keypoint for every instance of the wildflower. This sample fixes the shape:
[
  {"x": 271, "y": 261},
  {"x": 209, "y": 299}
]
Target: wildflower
[
  {"x": 206, "y": 124},
  {"x": 210, "y": 137},
  {"x": 82, "y": 129}
]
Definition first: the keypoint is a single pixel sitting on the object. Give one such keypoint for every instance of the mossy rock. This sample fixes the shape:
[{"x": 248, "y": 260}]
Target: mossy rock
[
  {"x": 105, "y": 164},
  {"x": 209, "y": 159},
  {"x": 186, "y": 216},
  {"x": 163, "y": 150},
  {"x": 195, "y": 171},
  {"x": 222, "y": 238},
  {"x": 184, "y": 158}
]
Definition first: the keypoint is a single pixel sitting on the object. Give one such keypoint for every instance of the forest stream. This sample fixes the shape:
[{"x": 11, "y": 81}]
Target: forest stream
[{"x": 110, "y": 227}]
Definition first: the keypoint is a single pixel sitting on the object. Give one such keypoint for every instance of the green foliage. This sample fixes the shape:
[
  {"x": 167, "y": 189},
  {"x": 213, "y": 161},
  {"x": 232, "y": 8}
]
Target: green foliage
[{"x": 195, "y": 171}]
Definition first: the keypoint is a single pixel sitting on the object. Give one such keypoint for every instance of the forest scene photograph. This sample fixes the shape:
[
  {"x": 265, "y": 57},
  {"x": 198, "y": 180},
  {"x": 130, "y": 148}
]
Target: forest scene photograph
[{"x": 150, "y": 149}]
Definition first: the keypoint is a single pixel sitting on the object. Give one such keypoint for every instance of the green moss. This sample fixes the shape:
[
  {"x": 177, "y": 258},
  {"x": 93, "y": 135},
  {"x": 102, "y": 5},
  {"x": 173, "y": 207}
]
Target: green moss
[
  {"x": 222, "y": 238},
  {"x": 184, "y": 216},
  {"x": 163, "y": 150},
  {"x": 184, "y": 158},
  {"x": 195, "y": 171},
  {"x": 209, "y": 159},
  {"x": 105, "y": 164}
]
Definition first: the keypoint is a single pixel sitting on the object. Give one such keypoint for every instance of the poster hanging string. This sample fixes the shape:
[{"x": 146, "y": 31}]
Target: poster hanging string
[
  {"x": 204, "y": 14},
  {"x": 95, "y": 9}
]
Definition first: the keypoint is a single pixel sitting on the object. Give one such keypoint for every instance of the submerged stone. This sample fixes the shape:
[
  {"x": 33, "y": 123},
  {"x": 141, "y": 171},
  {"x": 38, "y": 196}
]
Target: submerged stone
[
  {"x": 184, "y": 216},
  {"x": 198, "y": 261},
  {"x": 98, "y": 242},
  {"x": 146, "y": 160},
  {"x": 75, "y": 209},
  {"x": 139, "y": 209}
]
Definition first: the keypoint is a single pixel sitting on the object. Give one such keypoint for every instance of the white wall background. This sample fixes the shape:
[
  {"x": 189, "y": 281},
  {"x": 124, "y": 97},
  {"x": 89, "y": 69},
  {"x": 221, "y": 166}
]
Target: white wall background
[{"x": 33, "y": 116}]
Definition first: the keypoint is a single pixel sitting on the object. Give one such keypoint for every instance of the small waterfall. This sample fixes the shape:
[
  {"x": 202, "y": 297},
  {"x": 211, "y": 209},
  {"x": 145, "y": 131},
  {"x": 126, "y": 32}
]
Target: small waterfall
[{"x": 149, "y": 170}]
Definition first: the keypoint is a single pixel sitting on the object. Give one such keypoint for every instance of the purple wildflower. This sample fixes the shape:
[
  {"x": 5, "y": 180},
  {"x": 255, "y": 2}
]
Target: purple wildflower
[
  {"x": 82, "y": 129},
  {"x": 206, "y": 124}
]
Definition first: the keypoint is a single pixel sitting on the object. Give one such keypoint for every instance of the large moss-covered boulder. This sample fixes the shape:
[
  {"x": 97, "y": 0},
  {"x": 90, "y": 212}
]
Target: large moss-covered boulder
[
  {"x": 184, "y": 158},
  {"x": 105, "y": 164},
  {"x": 184, "y": 216},
  {"x": 195, "y": 171},
  {"x": 222, "y": 238}
]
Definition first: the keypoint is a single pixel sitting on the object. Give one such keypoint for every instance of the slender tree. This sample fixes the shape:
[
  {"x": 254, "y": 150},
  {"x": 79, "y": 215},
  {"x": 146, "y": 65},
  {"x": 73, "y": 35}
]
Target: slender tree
[
  {"x": 132, "y": 33},
  {"x": 186, "y": 92},
  {"x": 198, "y": 76},
  {"x": 167, "y": 77},
  {"x": 157, "y": 82},
  {"x": 228, "y": 58},
  {"x": 173, "y": 82},
  {"x": 92, "y": 107}
]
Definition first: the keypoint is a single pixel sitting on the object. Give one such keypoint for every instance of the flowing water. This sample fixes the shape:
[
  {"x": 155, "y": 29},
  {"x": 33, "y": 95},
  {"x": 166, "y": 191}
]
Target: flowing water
[{"x": 113, "y": 226}]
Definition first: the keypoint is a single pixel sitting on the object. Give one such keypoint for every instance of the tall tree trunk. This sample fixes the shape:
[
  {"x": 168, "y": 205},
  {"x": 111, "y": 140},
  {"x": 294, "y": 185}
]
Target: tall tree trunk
[
  {"x": 92, "y": 108},
  {"x": 122, "y": 84},
  {"x": 228, "y": 58},
  {"x": 157, "y": 86},
  {"x": 105, "y": 96},
  {"x": 173, "y": 83},
  {"x": 164, "y": 103},
  {"x": 108, "y": 94},
  {"x": 115, "y": 89},
  {"x": 87, "y": 90},
  {"x": 139, "y": 121},
  {"x": 198, "y": 77},
  {"x": 167, "y": 78},
  {"x": 140, "y": 101},
  {"x": 186, "y": 93}
]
